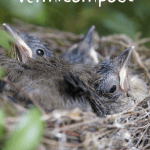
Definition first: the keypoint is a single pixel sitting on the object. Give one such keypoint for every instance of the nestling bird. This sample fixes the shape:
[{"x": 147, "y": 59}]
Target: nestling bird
[
  {"x": 115, "y": 75},
  {"x": 32, "y": 47},
  {"x": 135, "y": 88},
  {"x": 105, "y": 84},
  {"x": 83, "y": 52},
  {"x": 54, "y": 83}
]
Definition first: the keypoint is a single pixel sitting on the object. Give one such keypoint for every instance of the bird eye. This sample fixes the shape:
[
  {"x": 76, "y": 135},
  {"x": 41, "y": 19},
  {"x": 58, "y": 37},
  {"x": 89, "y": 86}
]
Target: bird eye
[
  {"x": 40, "y": 52},
  {"x": 113, "y": 89}
]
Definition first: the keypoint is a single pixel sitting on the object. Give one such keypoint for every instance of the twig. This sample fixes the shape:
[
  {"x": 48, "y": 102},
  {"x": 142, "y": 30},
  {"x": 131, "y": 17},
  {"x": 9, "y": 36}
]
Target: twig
[
  {"x": 14, "y": 104},
  {"x": 140, "y": 62},
  {"x": 139, "y": 102},
  {"x": 142, "y": 135},
  {"x": 53, "y": 142},
  {"x": 78, "y": 124},
  {"x": 142, "y": 41}
]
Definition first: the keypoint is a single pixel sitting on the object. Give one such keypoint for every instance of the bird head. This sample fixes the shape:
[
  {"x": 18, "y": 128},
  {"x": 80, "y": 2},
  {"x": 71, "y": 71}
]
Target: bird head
[
  {"x": 84, "y": 51},
  {"x": 114, "y": 75},
  {"x": 27, "y": 46}
]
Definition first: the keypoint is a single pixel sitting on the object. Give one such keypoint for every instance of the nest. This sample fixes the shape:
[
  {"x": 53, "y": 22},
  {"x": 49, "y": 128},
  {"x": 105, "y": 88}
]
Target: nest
[{"x": 75, "y": 129}]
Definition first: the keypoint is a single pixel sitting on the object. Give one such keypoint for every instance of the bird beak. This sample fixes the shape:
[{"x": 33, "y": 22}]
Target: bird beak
[
  {"x": 122, "y": 61},
  {"x": 89, "y": 35},
  {"x": 86, "y": 42},
  {"x": 25, "y": 51}
]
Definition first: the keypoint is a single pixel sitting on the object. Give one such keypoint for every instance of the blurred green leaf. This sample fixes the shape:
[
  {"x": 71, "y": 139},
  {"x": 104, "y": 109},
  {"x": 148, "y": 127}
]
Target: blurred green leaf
[
  {"x": 4, "y": 16},
  {"x": 2, "y": 116},
  {"x": 2, "y": 72},
  {"x": 120, "y": 23},
  {"x": 27, "y": 133},
  {"x": 110, "y": 18},
  {"x": 142, "y": 9},
  {"x": 4, "y": 39},
  {"x": 25, "y": 11}
]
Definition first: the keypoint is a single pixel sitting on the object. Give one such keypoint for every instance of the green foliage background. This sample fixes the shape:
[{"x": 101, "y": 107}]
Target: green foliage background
[{"x": 128, "y": 17}]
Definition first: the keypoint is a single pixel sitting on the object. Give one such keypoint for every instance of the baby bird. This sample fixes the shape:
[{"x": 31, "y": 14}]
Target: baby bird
[
  {"x": 54, "y": 83},
  {"x": 83, "y": 52},
  {"x": 133, "y": 87},
  {"x": 27, "y": 46},
  {"x": 104, "y": 89}
]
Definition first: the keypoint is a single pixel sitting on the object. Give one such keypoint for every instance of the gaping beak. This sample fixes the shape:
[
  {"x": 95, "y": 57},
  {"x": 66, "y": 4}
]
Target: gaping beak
[
  {"x": 25, "y": 51},
  {"x": 122, "y": 61}
]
